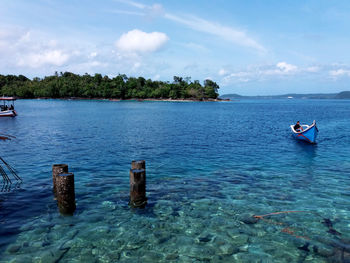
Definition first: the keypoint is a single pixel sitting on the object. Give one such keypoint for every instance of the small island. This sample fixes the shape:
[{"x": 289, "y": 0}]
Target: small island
[{"x": 69, "y": 85}]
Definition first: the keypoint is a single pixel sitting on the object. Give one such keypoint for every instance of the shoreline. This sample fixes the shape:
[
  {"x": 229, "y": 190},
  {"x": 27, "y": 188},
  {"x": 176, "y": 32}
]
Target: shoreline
[{"x": 132, "y": 99}]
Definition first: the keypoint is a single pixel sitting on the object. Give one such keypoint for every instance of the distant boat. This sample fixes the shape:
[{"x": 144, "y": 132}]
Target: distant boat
[
  {"x": 8, "y": 107},
  {"x": 307, "y": 133},
  {"x": 290, "y": 97}
]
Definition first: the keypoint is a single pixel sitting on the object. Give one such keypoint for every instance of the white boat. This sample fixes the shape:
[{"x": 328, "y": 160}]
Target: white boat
[{"x": 8, "y": 108}]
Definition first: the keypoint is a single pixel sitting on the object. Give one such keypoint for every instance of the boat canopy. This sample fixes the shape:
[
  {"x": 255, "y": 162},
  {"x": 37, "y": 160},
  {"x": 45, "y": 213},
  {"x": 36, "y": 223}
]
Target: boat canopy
[{"x": 7, "y": 98}]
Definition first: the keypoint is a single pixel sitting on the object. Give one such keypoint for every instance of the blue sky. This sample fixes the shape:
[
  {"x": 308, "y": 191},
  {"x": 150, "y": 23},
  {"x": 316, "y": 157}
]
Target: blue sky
[{"x": 247, "y": 47}]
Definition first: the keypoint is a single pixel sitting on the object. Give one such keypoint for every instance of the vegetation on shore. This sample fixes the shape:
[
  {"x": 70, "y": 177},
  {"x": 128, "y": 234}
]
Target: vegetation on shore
[{"x": 67, "y": 84}]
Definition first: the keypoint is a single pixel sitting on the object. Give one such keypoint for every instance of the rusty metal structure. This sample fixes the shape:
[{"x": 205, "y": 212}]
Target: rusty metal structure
[{"x": 7, "y": 172}]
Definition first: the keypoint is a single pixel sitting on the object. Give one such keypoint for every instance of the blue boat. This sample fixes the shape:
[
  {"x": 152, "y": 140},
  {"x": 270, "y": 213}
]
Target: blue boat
[{"x": 307, "y": 133}]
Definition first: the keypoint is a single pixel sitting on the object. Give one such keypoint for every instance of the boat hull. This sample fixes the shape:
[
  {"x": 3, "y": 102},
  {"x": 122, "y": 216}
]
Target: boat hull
[
  {"x": 8, "y": 113},
  {"x": 309, "y": 135}
]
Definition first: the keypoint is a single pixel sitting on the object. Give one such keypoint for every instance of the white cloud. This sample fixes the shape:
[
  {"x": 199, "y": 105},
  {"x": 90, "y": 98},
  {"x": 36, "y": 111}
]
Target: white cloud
[
  {"x": 137, "y": 41},
  {"x": 228, "y": 33},
  {"x": 239, "y": 77},
  {"x": 223, "y": 72},
  {"x": 339, "y": 72},
  {"x": 285, "y": 67},
  {"x": 132, "y": 3},
  {"x": 147, "y": 10},
  {"x": 51, "y": 57},
  {"x": 30, "y": 49},
  {"x": 284, "y": 70},
  {"x": 260, "y": 72},
  {"x": 126, "y": 12},
  {"x": 93, "y": 54}
]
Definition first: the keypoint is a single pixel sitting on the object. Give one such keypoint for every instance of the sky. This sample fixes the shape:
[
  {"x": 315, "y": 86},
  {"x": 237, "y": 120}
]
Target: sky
[{"x": 251, "y": 47}]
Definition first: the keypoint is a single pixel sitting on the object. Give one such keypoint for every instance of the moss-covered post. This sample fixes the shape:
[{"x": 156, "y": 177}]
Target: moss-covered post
[
  {"x": 57, "y": 169},
  {"x": 65, "y": 193},
  {"x": 138, "y": 184}
]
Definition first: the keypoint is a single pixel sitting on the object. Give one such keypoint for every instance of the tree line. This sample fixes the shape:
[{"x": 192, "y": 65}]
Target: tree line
[{"x": 68, "y": 85}]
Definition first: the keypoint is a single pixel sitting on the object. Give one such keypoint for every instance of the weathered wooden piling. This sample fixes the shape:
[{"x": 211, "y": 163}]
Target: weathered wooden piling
[
  {"x": 138, "y": 184},
  {"x": 58, "y": 169},
  {"x": 65, "y": 193},
  {"x": 138, "y": 165}
]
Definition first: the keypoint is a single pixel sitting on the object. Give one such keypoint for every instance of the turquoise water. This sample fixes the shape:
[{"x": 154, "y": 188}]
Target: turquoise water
[{"x": 210, "y": 167}]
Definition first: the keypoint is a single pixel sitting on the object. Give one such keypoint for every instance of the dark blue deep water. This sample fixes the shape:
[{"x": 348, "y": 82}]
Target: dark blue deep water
[{"x": 210, "y": 167}]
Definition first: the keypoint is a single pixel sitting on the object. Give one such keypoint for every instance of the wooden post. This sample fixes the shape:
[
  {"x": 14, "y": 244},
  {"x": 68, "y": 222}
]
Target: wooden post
[
  {"x": 57, "y": 169},
  {"x": 138, "y": 184},
  {"x": 65, "y": 193},
  {"x": 138, "y": 165}
]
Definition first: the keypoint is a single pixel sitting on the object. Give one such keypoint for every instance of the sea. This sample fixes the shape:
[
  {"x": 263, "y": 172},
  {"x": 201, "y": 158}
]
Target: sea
[{"x": 226, "y": 182}]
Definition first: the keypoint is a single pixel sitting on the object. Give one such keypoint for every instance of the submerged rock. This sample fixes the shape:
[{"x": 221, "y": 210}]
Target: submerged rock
[
  {"x": 13, "y": 249},
  {"x": 323, "y": 250},
  {"x": 248, "y": 219},
  {"x": 172, "y": 256},
  {"x": 247, "y": 257},
  {"x": 228, "y": 249},
  {"x": 204, "y": 238},
  {"x": 52, "y": 255}
]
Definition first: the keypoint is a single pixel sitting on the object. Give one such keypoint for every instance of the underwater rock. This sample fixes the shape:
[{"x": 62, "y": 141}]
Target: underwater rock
[
  {"x": 239, "y": 239},
  {"x": 305, "y": 247},
  {"x": 86, "y": 256},
  {"x": 161, "y": 236},
  {"x": 52, "y": 255},
  {"x": 172, "y": 256},
  {"x": 152, "y": 256},
  {"x": 340, "y": 256},
  {"x": 232, "y": 232},
  {"x": 134, "y": 245},
  {"x": 247, "y": 257},
  {"x": 45, "y": 243},
  {"x": 220, "y": 240},
  {"x": 21, "y": 258},
  {"x": 342, "y": 244},
  {"x": 248, "y": 219},
  {"x": 27, "y": 227},
  {"x": 40, "y": 230},
  {"x": 199, "y": 252},
  {"x": 113, "y": 256},
  {"x": 327, "y": 222},
  {"x": 102, "y": 230},
  {"x": 228, "y": 249},
  {"x": 13, "y": 249},
  {"x": 334, "y": 232},
  {"x": 126, "y": 254},
  {"x": 244, "y": 248},
  {"x": 204, "y": 238},
  {"x": 323, "y": 250}
]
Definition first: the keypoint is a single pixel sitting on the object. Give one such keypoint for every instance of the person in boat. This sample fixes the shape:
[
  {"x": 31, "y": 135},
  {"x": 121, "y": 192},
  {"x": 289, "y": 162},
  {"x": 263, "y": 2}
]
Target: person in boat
[
  {"x": 11, "y": 107},
  {"x": 298, "y": 127}
]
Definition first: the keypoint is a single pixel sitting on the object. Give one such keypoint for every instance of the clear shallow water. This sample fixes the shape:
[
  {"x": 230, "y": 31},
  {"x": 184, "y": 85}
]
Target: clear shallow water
[{"x": 210, "y": 166}]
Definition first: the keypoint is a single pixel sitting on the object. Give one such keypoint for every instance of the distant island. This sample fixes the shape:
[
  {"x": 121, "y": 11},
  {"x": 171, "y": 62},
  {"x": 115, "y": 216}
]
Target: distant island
[
  {"x": 70, "y": 85},
  {"x": 340, "y": 95}
]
